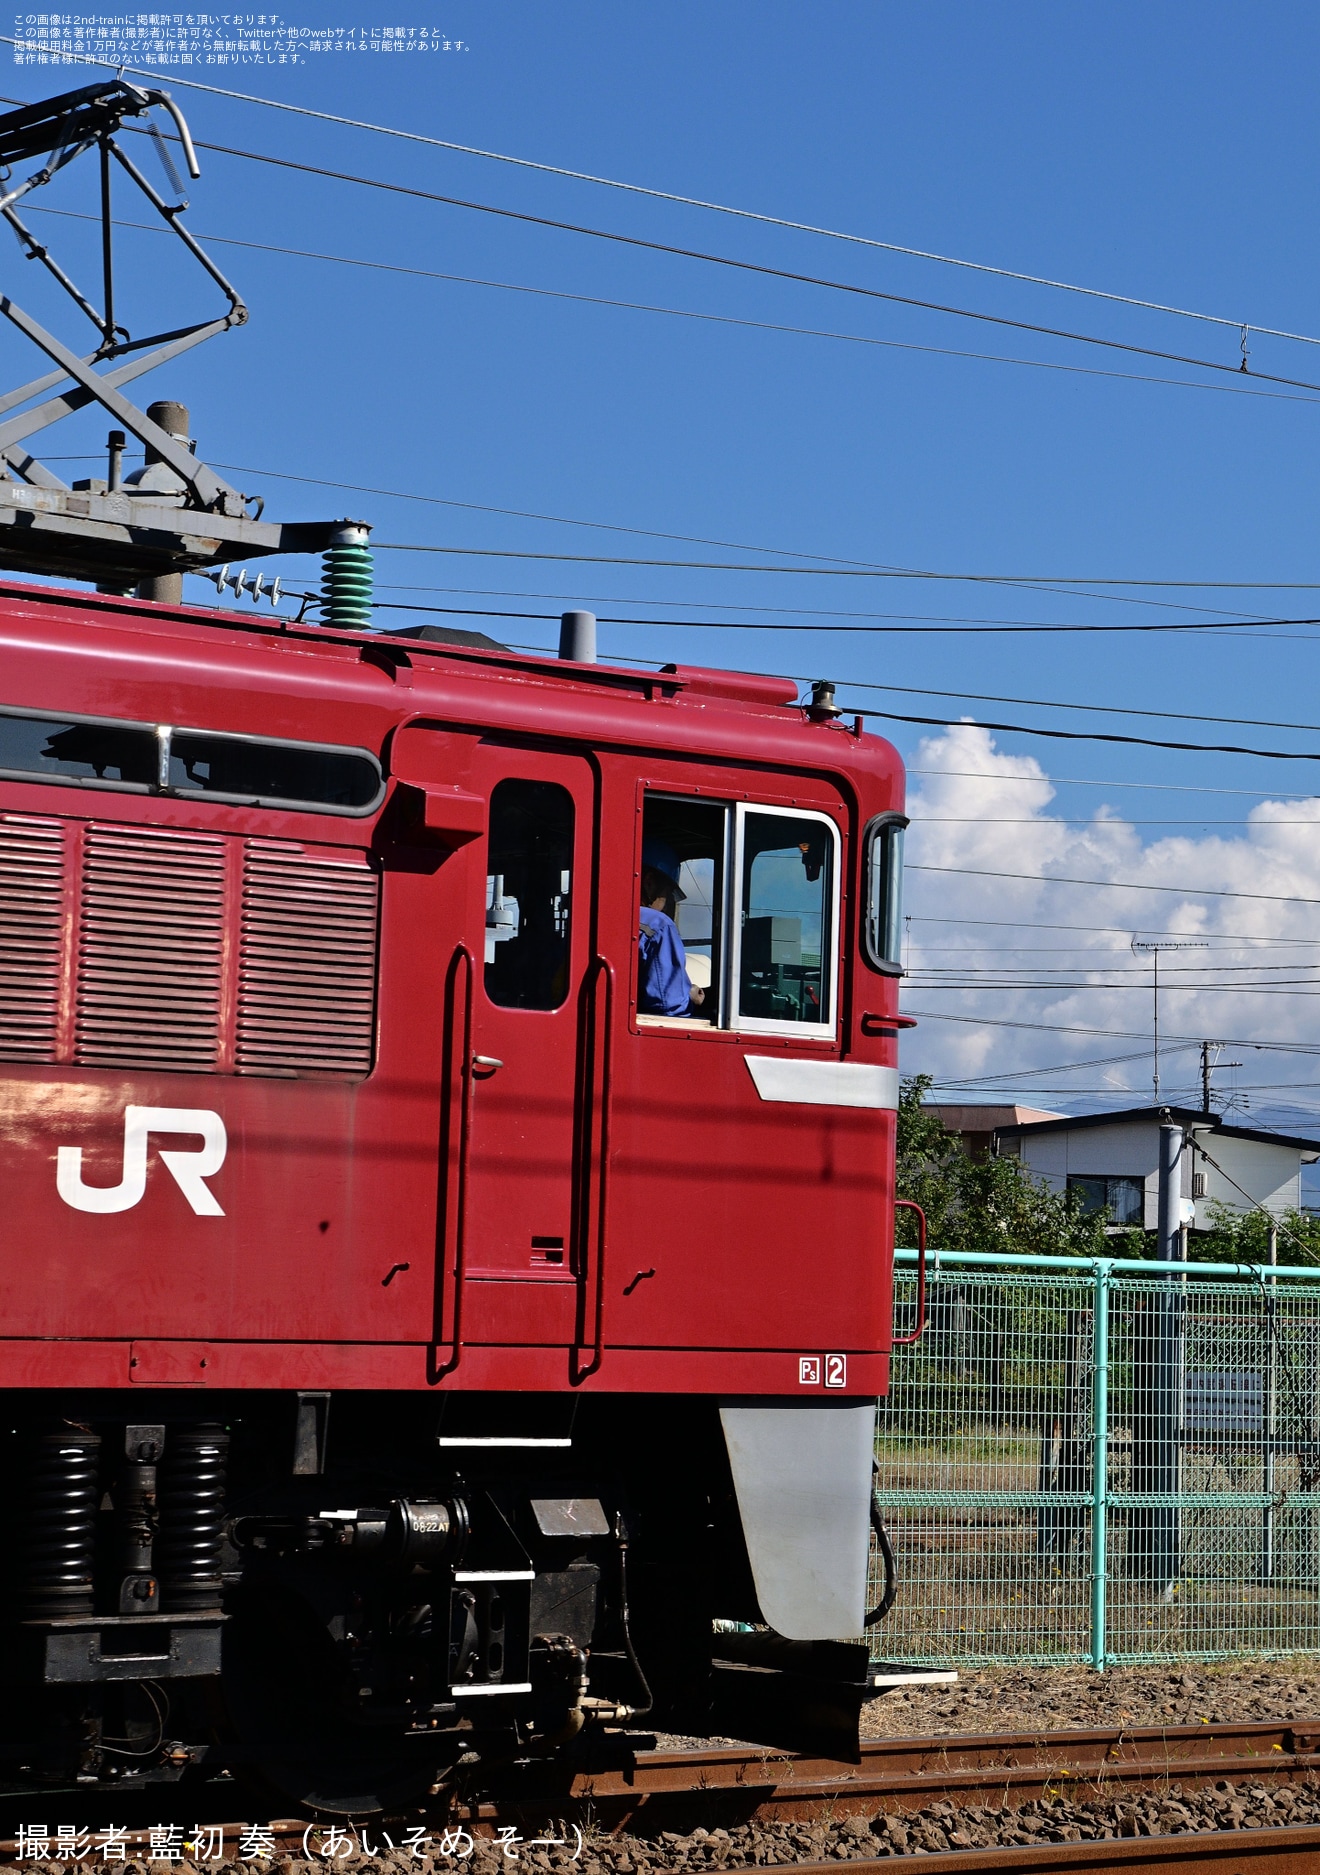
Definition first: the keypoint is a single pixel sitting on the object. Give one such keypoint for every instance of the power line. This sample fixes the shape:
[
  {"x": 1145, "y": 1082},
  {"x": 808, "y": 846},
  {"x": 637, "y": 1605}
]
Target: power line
[
  {"x": 1115, "y": 930},
  {"x": 724, "y": 319},
  {"x": 1100, "y": 709},
  {"x": 1036, "y": 581},
  {"x": 1082, "y": 735},
  {"x": 1022, "y": 729},
  {"x": 748, "y": 266},
  {"x": 983, "y": 628},
  {"x": 1121, "y": 885},
  {"x": 1062, "y": 820},
  {"x": 1243, "y": 621},
  {"x": 1133, "y": 1035},
  {"x": 688, "y": 201},
  {"x": 1081, "y": 781}
]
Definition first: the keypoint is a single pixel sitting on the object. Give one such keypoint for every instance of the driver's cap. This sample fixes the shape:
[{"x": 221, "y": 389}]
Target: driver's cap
[{"x": 657, "y": 857}]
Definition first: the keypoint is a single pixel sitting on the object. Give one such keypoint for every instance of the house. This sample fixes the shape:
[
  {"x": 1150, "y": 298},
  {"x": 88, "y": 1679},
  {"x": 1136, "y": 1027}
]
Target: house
[
  {"x": 1113, "y": 1159},
  {"x": 976, "y": 1125}
]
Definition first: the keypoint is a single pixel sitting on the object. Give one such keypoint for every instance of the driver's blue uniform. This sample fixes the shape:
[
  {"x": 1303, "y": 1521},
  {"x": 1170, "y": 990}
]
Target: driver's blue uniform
[{"x": 663, "y": 985}]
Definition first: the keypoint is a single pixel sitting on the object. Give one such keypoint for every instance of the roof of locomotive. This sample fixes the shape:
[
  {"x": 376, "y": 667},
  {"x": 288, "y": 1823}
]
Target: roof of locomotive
[{"x": 735, "y": 699}]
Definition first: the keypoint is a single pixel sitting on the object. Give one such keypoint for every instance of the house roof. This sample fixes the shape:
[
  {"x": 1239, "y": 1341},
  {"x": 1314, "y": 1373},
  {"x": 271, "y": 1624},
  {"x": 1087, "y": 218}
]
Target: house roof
[
  {"x": 1185, "y": 1116},
  {"x": 985, "y": 1116}
]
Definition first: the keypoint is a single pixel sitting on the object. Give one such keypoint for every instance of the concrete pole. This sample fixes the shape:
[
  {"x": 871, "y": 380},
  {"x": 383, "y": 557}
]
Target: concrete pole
[
  {"x": 165, "y": 588},
  {"x": 1166, "y": 1531}
]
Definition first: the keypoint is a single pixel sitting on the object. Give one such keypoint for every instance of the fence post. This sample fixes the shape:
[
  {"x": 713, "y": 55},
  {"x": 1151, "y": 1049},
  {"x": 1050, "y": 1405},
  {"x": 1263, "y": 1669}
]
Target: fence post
[{"x": 1100, "y": 1465}]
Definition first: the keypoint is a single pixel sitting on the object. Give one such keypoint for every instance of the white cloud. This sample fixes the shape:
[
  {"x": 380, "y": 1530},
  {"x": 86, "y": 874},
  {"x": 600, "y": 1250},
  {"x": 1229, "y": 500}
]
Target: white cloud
[{"x": 990, "y": 812}]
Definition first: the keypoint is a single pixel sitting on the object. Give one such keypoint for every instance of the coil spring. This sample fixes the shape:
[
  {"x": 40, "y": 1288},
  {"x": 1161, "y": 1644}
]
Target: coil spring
[
  {"x": 192, "y": 1511},
  {"x": 58, "y": 1549}
]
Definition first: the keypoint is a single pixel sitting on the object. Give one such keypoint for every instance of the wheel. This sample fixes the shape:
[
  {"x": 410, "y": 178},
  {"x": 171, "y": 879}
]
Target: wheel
[{"x": 288, "y": 1698}]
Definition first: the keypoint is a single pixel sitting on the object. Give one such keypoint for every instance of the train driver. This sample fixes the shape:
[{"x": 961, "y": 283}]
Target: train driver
[{"x": 663, "y": 985}]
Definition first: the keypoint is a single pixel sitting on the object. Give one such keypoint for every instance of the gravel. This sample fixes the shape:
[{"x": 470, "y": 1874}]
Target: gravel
[
  {"x": 1030, "y": 1699},
  {"x": 941, "y": 1826}
]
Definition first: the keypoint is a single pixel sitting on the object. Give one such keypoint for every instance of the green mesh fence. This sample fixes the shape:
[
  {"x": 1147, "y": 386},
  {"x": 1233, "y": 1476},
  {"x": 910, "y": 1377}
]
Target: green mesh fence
[{"x": 1103, "y": 1463}]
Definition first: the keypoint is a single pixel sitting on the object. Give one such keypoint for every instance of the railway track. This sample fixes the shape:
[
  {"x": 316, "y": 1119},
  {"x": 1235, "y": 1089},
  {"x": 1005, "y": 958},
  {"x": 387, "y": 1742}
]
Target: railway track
[
  {"x": 664, "y": 1797},
  {"x": 734, "y": 1784}
]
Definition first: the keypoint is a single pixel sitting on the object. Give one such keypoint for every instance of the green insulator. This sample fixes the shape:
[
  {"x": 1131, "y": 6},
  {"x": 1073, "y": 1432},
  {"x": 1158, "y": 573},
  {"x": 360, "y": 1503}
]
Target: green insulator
[{"x": 346, "y": 585}]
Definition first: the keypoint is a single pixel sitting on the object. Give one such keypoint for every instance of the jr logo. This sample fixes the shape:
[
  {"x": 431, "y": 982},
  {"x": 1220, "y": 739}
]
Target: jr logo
[{"x": 188, "y": 1169}]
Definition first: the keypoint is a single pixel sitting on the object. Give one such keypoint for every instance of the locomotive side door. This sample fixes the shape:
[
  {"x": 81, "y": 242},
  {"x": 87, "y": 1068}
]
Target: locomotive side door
[{"x": 530, "y": 906}]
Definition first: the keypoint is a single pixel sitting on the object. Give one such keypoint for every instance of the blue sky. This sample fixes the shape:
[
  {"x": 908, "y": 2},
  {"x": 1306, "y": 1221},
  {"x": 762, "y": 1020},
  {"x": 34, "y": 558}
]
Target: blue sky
[{"x": 1167, "y": 153}]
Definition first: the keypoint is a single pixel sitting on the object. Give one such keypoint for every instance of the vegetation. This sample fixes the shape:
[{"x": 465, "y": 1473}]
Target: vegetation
[
  {"x": 993, "y": 1204},
  {"x": 981, "y": 1204}
]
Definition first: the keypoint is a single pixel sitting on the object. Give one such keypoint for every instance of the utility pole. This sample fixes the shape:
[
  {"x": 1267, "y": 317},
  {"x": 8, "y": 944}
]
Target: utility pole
[
  {"x": 1155, "y": 946},
  {"x": 1207, "y": 1069}
]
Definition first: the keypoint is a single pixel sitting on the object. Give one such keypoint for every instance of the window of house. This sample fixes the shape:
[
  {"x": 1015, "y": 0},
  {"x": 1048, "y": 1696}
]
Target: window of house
[
  {"x": 529, "y": 888},
  {"x": 756, "y": 910},
  {"x": 1117, "y": 1200}
]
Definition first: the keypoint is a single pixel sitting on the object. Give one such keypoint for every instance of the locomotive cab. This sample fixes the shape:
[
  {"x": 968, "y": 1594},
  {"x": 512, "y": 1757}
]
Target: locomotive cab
[{"x": 416, "y": 1341}]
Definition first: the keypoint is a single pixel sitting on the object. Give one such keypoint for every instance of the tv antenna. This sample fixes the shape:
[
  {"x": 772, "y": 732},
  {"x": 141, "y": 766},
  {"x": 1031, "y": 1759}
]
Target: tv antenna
[
  {"x": 1155, "y": 946},
  {"x": 143, "y": 531}
]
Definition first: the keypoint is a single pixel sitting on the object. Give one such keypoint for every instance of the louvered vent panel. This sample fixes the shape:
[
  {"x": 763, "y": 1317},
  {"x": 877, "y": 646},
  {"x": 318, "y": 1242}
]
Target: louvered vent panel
[
  {"x": 151, "y": 936},
  {"x": 307, "y": 986},
  {"x": 32, "y": 862}
]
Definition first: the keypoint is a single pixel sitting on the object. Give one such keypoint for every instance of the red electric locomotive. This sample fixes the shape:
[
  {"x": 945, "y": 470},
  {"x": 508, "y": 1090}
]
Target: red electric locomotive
[{"x": 424, "y": 1326}]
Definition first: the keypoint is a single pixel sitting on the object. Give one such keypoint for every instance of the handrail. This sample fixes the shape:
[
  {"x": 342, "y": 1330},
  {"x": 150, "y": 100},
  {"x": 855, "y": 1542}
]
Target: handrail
[
  {"x": 457, "y": 1209},
  {"x": 1134, "y": 1266},
  {"x": 904, "y": 1341},
  {"x": 600, "y": 968}
]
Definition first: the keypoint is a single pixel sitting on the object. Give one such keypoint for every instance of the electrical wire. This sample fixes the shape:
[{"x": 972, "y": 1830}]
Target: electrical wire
[
  {"x": 1120, "y": 885},
  {"x": 1066, "y": 735},
  {"x": 747, "y": 266},
  {"x": 753, "y": 625},
  {"x": 1133, "y": 1035},
  {"x": 1115, "y": 930},
  {"x": 1082, "y": 781},
  {"x": 1080, "y": 735},
  {"x": 688, "y": 201},
  {"x": 1036, "y": 582},
  {"x": 723, "y": 319}
]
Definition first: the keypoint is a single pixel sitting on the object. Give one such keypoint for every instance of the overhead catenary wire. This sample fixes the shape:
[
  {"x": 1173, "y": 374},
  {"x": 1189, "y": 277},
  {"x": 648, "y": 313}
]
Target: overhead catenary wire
[
  {"x": 723, "y": 319},
  {"x": 688, "y": 201},
  {"x": 747, "y": 266}
]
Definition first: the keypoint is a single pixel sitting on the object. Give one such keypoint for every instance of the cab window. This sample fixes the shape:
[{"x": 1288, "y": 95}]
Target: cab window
[
  {"x": 784, "y": 965},
  {"x": 882, "y": 903},
  {"x": 529, "y": 885},
  {"x": 751, "y": 894},
  {"x": 687, "y": 839}
]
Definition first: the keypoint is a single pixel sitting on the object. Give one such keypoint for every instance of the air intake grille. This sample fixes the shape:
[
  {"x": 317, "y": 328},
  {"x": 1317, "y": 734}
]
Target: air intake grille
[
  {"x": 143, "y": 947},
  {"x": 151, "y": 936},
  {"x": 32, "y": 863},
  {"x": 307, "y": 984}
]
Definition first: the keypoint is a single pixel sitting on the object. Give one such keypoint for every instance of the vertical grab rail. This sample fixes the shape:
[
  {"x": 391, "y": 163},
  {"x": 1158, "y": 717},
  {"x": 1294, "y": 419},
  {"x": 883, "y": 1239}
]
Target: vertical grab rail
[
  {"x": 455, "y": 1200},
  {"x": 905, "y": 1341},
  {"x": 602, "y": 1026}
]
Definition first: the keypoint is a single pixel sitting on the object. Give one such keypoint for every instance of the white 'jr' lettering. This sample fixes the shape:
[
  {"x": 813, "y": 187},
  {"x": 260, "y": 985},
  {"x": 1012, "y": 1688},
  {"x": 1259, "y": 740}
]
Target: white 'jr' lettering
[{"x": 189, "y": 1169}]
